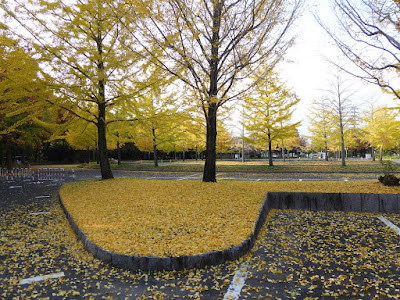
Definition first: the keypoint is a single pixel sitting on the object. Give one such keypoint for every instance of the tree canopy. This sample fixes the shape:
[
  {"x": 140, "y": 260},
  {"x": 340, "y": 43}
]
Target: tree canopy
[
  {"x": 369, "y": 39},
  {"x": 22, "y": 92}
]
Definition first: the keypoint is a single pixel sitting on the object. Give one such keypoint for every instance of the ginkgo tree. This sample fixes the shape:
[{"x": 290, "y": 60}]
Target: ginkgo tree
[
  {"x": 340, "y": 94},
  {"x": 195, "y": 134},
  {"x": 211, "y": 46},
  {"x": 355, "y": 136},
  {"x": 268, "y": 113},
  {"x": 159, "y": 117},
  {"x": 224, "y": 139},
  {"x": 82, "y": 135},
  {"x": 383, "y": 129},
  {"x": 121, "y": 133},
  {"x": 290, "y": 142},
  {"x": 321, "y": 125},
  {"x": 79, "y": 46},
  {"x": 21, "y": 92}
]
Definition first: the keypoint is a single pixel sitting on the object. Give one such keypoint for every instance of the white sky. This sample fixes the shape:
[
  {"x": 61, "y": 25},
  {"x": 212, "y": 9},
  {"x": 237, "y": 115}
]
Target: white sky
[{"x": 308, "y": 73}]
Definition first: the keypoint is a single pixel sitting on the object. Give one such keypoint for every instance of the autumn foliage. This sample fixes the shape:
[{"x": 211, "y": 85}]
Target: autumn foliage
[{"x": 172, "y": 218}]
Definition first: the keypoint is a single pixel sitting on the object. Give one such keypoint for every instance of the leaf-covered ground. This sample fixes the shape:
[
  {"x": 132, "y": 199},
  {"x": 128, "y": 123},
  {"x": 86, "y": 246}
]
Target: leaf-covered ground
[
  {"x": 325, "y": 255},
  {"x": 172, "y": 218},
  {"x": 299, "y": 255},
  {"x": 43, "y": 244}
]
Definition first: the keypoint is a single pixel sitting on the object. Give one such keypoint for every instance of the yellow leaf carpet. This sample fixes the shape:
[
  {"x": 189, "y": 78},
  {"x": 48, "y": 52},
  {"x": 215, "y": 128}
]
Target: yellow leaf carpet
[{"x": 173, "y": 218}]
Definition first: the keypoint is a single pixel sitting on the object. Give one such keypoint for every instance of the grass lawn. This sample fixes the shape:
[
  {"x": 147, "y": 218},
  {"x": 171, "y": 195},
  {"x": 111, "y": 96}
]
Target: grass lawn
[
  {"x": 257, "y": 166},
  {"x": 172, "y": 218}
]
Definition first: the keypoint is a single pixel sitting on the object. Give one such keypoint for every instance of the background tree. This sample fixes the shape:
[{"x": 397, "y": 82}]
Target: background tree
[
  {"x": 269, "y": 111},
  {"x": 212, "y": 45},
  {"x": 290, "y": 142},
  {"x": 383, "y": 130},
  {"x": 369, "y": 38},
  {"x": 340, "y": 92},
  {"x": 321, "y": 125},
  {"x": 368, "y": 118},
  {"x": 121, "y": 134},
  {"x": 158, "y": 120},
  {"x": 355, "y": 135},
  {"x": 195, "y": 133},
  {"x": 224, "y": 139},
  {"x": 21, "y": 106},
  {"x": 79, "y": 47}
]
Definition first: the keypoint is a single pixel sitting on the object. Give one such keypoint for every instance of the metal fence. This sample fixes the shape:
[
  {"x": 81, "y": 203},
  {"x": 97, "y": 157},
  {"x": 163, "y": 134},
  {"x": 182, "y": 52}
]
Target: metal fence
[{"x": 27, "y": 174}]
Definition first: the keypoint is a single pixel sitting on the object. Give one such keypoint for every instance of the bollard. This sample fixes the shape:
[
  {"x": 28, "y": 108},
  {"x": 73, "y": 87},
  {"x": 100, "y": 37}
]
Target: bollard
[{"x": 73, "y": 175}]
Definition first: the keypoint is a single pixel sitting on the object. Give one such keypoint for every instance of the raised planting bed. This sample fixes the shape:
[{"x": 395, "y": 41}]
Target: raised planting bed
[{"x": 247, "y": 234}]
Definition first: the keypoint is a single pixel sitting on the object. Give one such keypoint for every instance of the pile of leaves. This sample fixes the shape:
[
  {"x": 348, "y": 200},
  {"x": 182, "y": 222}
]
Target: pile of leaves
[
  {"x": 172, "y": 218},
  {"x": 389, "y": 179}
]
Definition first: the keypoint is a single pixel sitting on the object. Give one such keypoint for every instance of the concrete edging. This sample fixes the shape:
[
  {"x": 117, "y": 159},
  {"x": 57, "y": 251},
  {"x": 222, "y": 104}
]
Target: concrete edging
[{"x": 385, "y": 203}]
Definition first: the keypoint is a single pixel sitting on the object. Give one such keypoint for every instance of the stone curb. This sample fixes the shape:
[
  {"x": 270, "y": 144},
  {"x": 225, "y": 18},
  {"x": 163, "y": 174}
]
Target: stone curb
[
  {"x": 385, "y": 203},
  {"x": 372, "y": 203}
]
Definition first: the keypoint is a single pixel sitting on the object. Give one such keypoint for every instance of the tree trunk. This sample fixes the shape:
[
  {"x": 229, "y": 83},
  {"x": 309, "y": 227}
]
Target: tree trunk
[
  {"x": 197, "y": 154},
  {"x": 283, "y": 152},
  {"x": 243, "y": 148},
  {"x": 373, "y": 153},
  {"x": 326, "y": 151},
  {"x": 183, "y": 153},
  {"x": 155, "y": 148},
  {"x": 209, "y": 174},
  {"x": 343, "y": 147},
  {"x": 270, "y": 163},
  {"x": 105, "y": 167},
  {"x": 119, "y": 153},
  {"x": 380, "y": 153}
]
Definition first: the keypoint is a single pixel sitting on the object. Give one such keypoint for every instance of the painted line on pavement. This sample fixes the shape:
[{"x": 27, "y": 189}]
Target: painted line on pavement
[
  {"x": 40, "y": 213},
  {"x": 41, "y": 278},
  {"x": 390, "y": 224},
  {"x": 15, "y": 187},
  {"x": 188, "y": 177},
  {"x": 237, "y": 284},
  {"x": 41, "y": 197}
]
